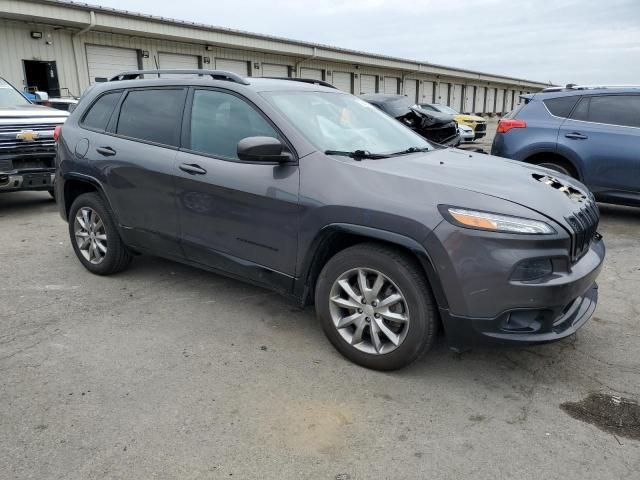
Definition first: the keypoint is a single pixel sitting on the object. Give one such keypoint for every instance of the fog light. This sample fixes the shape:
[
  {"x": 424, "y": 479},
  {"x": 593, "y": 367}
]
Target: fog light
[{"x": 532, "y": 269}]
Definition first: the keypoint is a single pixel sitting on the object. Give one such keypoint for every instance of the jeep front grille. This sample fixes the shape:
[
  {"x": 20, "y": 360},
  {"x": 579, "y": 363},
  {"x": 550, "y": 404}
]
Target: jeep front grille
[{"x": 584, "y": 225}]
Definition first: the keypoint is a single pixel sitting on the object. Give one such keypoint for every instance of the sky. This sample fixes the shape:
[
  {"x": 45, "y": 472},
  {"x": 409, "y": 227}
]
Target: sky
[{"x": 560, "y": 41}]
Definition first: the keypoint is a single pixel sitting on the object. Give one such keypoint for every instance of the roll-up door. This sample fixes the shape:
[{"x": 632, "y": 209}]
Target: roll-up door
[
  {"x": 342, "y": 81},
  {"x": 456, "y": 98},
  {"x": 443, "y": 94},
  {"x": 491, "y": 101},
  {"x": 311, "y": 73},
  {"x": 391, "y": 85},
  {"x": 480, "y": 93},
  {"x": 500, "y": 101},
  {"x": 427, "y": 92},
  {"x": 105, "y": 62},
  {"x": 236, "y": 66},
  {"x": 367, "y": 84},
  {"x": 468, "y": 99},
  {"x": 177, "y": 61},
  {"x": 273, "y": 70},
  {"x": 411, "y": 89}
]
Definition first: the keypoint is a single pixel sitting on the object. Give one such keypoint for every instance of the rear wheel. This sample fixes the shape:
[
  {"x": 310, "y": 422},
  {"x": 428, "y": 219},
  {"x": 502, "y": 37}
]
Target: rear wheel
[
  {"x": 94, "y": 236},
  {"x": 557, "y": 167},
  {"x": 375, "y": 306}
]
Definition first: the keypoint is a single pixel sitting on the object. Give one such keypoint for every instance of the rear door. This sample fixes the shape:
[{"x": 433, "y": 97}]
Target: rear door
[
  {"x": 136, "y": 155},
  {"x": 603, "y": 132},
  {"x": 236, "y": 216}
]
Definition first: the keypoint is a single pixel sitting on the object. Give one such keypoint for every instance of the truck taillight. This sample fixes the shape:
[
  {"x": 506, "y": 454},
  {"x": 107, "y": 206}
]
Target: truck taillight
[
  {"x": 56, "y": 133},
  {"x": 507, "y": 124}
]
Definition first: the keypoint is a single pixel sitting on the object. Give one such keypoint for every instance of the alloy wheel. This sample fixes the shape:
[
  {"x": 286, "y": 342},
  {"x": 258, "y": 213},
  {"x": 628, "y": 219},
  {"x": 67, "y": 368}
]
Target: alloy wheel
[
  {"x": 90, "y": 235},
  {"x": 369, "y": 311}
]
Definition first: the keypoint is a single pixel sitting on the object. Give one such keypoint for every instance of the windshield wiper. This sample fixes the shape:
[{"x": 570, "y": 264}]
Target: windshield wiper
[
  {"x": 412, "y": 150},
  {"x": 356, "y": 154}
]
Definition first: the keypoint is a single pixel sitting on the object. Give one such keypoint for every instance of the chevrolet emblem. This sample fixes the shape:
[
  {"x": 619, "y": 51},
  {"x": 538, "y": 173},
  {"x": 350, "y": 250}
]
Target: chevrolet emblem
[{"x": 27, "y": 135}]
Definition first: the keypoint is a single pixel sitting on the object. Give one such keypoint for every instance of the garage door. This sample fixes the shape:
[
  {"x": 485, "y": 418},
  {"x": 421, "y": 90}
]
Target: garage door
[
  {"x": 236, "y": 66},
  {"x": 367, "y": 84},
  {"x": 479, "y": 108},
  {"x": 411, "y": 89},
  {"x": 427, "y": 92},
  {"x": 177, "y": 61},
  {"x": 273, "y": 70},
  {"x": 468, "y": 99},
  {"x": 311, "y": 73},
  {"x": 443, "y": 94},
  {"x": 391, "y": 85},
  {"x": 491, "y": 99},
  {"x": 342, "y": 81},
  {"x": 456, "y": 97},
  {"x": 105, "y": 62},
  {"x": 500, "y": 101}
]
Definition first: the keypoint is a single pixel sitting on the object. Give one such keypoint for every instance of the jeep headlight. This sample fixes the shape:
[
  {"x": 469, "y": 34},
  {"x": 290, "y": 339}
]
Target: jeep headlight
[{"x": 495, "y": 222}]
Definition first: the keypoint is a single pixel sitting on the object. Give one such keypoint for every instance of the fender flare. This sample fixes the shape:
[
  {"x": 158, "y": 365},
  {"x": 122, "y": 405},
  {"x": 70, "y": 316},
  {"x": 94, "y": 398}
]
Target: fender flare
[{"x": 304, "y": 284}]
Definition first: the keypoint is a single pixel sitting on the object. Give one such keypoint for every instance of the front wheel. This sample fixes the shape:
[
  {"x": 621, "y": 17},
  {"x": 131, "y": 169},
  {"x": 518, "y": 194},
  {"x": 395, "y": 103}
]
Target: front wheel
[{"x": 375, "y": 306}]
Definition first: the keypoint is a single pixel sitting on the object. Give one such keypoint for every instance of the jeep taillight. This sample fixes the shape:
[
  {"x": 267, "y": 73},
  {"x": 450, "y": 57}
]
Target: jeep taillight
[
  {"x": 56, "y": 133},
  {"x": 507, "y": 124}
]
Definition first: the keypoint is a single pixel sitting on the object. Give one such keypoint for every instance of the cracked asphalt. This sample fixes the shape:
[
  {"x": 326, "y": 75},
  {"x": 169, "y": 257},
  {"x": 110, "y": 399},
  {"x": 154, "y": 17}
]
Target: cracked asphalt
[{"x": 165, "y": 371}]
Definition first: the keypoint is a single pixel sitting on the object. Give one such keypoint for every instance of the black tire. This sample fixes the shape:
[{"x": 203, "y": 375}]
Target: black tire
[
  {"x": 557, "y": 167},
  {"x": 408, "y": 276},
  {"x": 117, "y": 256}
]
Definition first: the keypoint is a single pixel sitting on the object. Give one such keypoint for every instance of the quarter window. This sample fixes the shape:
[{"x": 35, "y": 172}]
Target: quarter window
[
  {"x": 561, "y": 106},
  {"x": 152, "y": 115},
  {"x": 100, "y": 112},
  {"x": 220, "y": 120},
  {"x": 621, "y": 110}
]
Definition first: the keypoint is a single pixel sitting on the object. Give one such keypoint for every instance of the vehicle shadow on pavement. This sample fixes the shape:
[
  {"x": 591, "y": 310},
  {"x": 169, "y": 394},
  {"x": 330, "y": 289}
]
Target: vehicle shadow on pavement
[{"x": 24, "y": 202}]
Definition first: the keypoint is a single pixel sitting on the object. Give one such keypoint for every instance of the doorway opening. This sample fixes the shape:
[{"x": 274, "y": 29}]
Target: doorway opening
[{"x": 42, "y": 76}]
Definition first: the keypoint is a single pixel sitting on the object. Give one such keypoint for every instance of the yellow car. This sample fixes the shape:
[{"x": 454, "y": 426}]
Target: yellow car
[{"x": 478, "y": 124}]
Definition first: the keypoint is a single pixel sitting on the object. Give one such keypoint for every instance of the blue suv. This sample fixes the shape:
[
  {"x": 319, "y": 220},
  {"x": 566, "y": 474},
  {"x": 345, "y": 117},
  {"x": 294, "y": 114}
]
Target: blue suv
[{"x": 589, "y": 133}]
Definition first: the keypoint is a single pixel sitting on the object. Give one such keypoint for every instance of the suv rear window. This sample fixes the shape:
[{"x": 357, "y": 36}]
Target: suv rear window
[
  {"x": 561, "y": 106},
  {"x": 621, "y": 110},
  {"x": 152, "y": 115},
  {"x": 100, "y": 112}
]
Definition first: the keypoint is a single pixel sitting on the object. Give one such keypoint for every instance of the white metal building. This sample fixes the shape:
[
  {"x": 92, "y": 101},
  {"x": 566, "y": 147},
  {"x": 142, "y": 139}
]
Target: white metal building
[{"x": 63, "y": 47}]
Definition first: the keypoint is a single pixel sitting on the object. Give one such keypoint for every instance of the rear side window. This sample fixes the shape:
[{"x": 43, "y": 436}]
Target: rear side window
[
  {"x": 152, "y": 115},
  {"x": 220, "y": 120},
  {"x": 561, "y": 106},
  {"x": 621, "y": 110},
  {"x": 100, "y": 112}
]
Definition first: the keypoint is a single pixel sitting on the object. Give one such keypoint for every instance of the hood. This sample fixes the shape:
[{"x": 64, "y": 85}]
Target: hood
[
  {"x": 468, "y": 118},
  {"x": 31, "y": 112},
  {"x": 435, "y": 118},
  {"x": 509, "y": 180}
]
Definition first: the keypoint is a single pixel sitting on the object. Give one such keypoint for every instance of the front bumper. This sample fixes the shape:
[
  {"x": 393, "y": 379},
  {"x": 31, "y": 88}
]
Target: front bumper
[{"x": 36, "y": 180}]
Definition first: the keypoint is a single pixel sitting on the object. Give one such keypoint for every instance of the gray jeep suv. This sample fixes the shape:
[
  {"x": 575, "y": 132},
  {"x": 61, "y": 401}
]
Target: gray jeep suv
[{"x": 317, "y": 194}]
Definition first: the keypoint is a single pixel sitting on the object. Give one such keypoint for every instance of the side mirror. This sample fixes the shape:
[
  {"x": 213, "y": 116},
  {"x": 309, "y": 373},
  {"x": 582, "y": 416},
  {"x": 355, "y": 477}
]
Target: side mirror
[
  {"x": 41, "y": 97},
  {"x": 262, "y": 149}
]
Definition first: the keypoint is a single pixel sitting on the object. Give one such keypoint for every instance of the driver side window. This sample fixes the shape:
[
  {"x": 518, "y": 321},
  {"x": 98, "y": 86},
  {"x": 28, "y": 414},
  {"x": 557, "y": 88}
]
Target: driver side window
[{"x": 220, "y": 120}]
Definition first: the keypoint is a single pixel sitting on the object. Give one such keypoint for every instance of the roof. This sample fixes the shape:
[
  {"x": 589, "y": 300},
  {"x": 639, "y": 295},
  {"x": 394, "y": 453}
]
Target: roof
[{"x": 415, "y": 64}]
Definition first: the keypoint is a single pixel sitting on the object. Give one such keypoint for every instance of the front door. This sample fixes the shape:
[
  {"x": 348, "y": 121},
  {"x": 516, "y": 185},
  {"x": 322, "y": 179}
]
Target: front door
[
  {"x": 604, "y": 132},
  {"x": 235, "y": 216}
]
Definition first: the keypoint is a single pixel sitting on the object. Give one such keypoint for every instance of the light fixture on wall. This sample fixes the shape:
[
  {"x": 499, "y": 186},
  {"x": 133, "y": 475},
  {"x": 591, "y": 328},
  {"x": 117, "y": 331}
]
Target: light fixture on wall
[
  {"x": 36, "y": 35},
  {"x": 256, "y": 66},
  {"x": 208, "y": 47},
  {"x": 145, "y": 53},
  {"x": 206, "y": 60}
]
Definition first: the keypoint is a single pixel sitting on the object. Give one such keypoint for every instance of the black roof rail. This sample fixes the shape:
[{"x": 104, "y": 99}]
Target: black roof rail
[
  {"x": 215, "y": 74},
  {"x": 312, "y": 81}
]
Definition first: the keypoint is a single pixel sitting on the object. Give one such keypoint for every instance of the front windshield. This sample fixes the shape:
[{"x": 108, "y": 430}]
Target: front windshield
[
  {"x": 341, "y": 122},
  {"x": 9, "y": 96},
  {"x": 445, "y": 109}
]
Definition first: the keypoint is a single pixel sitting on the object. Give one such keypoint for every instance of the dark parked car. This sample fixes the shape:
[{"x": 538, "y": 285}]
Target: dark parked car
[
  {"x": 27, "y": 148},
  {"x": 592, "y": 134},
  {"x": 435, "y": 126},
  {"x": 316, "y": 194}
]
